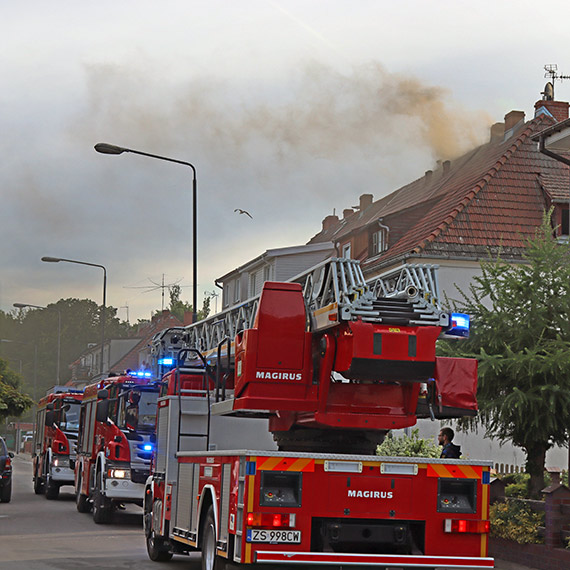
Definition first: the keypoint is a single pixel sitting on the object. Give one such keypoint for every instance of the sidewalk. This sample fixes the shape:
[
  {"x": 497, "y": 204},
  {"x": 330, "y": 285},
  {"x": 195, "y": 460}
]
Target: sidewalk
[{"x": 505, "y": 565}]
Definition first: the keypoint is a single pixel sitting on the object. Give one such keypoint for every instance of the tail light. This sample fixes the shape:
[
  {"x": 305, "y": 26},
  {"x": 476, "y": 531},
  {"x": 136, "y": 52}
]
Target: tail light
[
  {"x": 8, "y": 462},
  {"x": 466, "y": 526},
  {"x": 271, "y": 520}
]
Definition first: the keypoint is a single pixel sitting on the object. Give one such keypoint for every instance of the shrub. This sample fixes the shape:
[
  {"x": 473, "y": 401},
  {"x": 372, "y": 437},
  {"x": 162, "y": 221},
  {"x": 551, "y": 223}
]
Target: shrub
[
  {"x": 513, "y": 520},
  {"x": 408, "y": 446},
  {"x": 519, "y": 490}
]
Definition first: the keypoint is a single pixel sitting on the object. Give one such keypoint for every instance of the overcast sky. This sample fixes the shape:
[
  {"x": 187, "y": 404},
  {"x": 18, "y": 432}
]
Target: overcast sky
[{"x": 288, "y": 109}]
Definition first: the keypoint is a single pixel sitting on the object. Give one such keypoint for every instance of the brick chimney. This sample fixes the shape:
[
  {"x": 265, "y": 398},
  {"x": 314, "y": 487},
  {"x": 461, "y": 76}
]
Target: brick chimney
[
  {"x": 558, "y": 109},
  {"x": 429, "y": 174},
  {"x": 446, "y": 166},
  {"x": 365, "y": 201},
  {"x": 512, "y": 119},
  {"x": 347, "y": 212},
  {"x": 329, "y": 222},
  {"x": 497, "y": 132}
]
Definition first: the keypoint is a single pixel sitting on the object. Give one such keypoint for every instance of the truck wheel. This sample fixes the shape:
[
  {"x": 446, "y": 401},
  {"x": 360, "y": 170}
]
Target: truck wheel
[
  {"x": 6, "y": 493},
  {"x": 102, "y": 512},
  {"x": 210, "y": 561},
  {"x": 52, "y": 489},
  {"x": 81, "y": 500},
  {"x": 157, "y": 548},
  {"x": 38, "y": 484}
]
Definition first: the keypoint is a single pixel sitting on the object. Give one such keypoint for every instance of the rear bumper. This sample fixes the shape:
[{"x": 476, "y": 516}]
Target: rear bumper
[{"x": 380, "y": 560}]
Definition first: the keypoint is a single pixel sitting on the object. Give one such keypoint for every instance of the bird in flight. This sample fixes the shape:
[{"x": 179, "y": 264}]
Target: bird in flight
[{"x": 240, "y": 211}]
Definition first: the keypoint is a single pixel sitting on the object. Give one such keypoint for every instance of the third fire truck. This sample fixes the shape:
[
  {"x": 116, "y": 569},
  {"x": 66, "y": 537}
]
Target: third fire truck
[
  {"x": 55, "y": 440},
  {"x": 325, "y": 364},
  {"x": 116, "y": 434}
]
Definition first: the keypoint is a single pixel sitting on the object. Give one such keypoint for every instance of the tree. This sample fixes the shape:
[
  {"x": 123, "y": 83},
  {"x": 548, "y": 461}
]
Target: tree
[
  {"x": 12, "y": 401},
  {"x": 521, "y": 337},
  {"x": 178, "y": 307}
]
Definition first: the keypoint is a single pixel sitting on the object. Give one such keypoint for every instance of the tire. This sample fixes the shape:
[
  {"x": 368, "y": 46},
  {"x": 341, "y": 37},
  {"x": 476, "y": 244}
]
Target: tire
[
  {"x": 6, "y": 492},
  {"x": 38, "y": 484},
  {"x": 81, "y": 501},
  {"x": 158, "y": 549},
  {"x": 210, "y": 561},
  {"x": 52, "y": 489},
  {"x": 102, "y": 511}
]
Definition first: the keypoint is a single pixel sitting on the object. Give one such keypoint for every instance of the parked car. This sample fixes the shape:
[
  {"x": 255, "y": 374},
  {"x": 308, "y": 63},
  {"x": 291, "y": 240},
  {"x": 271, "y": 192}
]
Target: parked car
[{"x": 5, "y": 473}]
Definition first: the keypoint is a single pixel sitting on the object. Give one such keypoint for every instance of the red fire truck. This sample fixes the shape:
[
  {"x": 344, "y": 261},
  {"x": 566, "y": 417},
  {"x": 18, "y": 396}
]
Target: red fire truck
[
  {"x": 116, "y": 433},
  {"x": 327, "y": 364},
  {"x": 55, "y": 440}
]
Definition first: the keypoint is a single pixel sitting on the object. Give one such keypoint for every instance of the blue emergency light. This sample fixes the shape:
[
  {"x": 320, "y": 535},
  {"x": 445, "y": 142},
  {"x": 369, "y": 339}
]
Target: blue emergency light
[
  {"x": 166, "y": 361},
  {"x": 140, "y": 374},
  {"x": 459, "y": 325},
  {"x": 147, "y": 447}
]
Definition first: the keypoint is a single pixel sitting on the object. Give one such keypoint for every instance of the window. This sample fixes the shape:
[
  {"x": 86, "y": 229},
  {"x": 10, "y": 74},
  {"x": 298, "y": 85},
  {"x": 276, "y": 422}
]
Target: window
[
  {"x": 252, "y": 284},
  {"x": 346, "y": 250},
  {"x": 236, "y": 290},
  {"x": 379, "y": 241},
  {"x": 267, "y": 273}
]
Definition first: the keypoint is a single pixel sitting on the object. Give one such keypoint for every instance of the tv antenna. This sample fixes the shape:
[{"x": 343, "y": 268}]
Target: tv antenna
[
  {"x": 551, "y": 71},
  {"x": 156, "y": 286}
]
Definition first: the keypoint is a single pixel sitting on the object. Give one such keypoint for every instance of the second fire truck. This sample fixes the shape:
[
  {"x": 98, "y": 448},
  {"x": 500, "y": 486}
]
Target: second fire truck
[{"x": 116, "y": 433}]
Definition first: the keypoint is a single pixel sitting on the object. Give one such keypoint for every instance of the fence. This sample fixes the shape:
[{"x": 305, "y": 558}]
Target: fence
[{"x": 548, "y": 556}]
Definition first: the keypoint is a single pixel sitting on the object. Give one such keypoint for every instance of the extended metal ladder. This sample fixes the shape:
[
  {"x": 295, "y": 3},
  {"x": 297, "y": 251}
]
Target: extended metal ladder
[{"x": 335, "y": 291}]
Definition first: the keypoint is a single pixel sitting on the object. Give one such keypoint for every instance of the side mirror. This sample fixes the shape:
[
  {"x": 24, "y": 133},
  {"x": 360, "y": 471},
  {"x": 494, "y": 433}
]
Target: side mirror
[
  {"x": 102, "y": 410},
  {"x": 49, "y": 407},
  {"x": 50, "y": 418},
  {"x": 11, "y": 454},
  {"x": 103, "y": 394}
]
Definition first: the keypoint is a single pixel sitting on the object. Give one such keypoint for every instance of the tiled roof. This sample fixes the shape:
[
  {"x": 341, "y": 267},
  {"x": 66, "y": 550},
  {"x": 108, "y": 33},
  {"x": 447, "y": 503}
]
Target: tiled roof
[
  {"x": 147, "y": 331},
  {"x": 491, "y": 197}
]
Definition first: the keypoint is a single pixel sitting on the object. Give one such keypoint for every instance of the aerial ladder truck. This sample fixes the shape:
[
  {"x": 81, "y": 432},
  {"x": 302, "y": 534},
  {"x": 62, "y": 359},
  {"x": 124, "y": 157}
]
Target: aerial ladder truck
[{"x": 326, "y": 363}]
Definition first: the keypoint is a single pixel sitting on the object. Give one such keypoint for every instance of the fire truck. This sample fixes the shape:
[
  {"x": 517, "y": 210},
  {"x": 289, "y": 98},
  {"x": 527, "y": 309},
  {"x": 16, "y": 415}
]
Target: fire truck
[
  {"x": 55, "y": 440},
  {"x": 326, "y": 364},
  {"x": 116, "y": 433}
]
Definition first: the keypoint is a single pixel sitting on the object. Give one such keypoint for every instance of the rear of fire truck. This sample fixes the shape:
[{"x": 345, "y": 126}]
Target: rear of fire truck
[
  {"x": 331, "y": 364},
  {"x": 55, "y": 440},
  {"x": 117, "y": 426}
]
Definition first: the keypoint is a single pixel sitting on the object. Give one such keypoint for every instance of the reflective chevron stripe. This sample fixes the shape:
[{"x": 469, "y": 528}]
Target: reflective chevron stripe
[
  {"x": 455, "y": 471},
  {"x": 287, "y": 464}
]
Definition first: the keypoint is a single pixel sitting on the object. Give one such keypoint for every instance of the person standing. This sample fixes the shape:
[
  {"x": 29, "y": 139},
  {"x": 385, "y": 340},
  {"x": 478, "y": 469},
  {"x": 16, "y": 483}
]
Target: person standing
[{"x": 450, "y": 450}]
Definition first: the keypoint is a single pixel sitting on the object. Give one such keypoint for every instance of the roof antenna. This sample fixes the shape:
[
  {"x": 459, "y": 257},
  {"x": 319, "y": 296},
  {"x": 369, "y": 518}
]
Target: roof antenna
[{"x": 551, "y": 70}]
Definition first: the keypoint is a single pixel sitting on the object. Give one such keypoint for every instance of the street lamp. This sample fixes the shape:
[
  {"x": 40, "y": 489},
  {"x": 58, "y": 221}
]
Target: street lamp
[
  {"x": 57, "y": 260},
  {"x": 24, "y": 305},
  {"x": 105, "y": 148}
]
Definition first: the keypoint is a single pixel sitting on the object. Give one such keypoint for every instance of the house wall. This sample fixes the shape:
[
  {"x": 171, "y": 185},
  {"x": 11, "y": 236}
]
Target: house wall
[
  {"x": 119, "y": 348},
  {"x": 287, "y": 266}
]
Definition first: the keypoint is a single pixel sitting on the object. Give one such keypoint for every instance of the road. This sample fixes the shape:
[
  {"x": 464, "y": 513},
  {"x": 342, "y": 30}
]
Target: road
[{"x": 37, "y": 534}]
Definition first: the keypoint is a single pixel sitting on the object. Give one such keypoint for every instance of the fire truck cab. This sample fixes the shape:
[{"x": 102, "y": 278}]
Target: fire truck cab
[
  {"x": 55, "y": 440},
  {"x": 116, "y": 440}
]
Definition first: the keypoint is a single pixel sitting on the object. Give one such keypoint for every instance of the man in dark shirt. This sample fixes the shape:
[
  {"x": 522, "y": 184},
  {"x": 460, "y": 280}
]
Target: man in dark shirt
[{"x": 450, "y": 450}]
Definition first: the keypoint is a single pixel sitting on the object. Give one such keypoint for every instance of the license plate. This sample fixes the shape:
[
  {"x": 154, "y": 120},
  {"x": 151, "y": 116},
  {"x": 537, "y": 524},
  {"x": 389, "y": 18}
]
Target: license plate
[{"x": 274, "y": 536}]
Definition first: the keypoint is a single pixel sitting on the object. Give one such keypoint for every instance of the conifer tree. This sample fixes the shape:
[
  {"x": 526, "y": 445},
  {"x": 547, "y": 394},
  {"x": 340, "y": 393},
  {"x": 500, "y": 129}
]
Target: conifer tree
[{"x": 521, "y": 337}]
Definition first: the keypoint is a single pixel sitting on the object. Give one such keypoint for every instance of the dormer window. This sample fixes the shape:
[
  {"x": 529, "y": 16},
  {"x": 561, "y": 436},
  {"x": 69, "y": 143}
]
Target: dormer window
[
  {"x": 560, "y": 220},
  {"x": 347, "y": 250},
  {"x": 379, "y": 242}
]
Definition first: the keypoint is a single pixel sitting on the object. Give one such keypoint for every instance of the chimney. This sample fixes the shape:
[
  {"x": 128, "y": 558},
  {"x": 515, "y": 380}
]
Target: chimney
[
  {"x": 365, "y": 201},
  {"x": 329, "y": 222},
  {"x": 347, "y": 212},
  {"x": 558, "y": 109},
  {"x": 497, "y": 132},
  {"x": 429, "y": 174},
  {"x": 446, "y": 166},
  {"x": 512, "y": 119}
]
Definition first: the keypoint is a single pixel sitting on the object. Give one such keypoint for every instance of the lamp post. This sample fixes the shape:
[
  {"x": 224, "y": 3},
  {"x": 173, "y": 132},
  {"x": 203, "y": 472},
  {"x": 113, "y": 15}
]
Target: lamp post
[
  {"x": 57, "y": 260},
  {"x": 24, "y": 305},
  {"x": 105, "y": 148}
]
